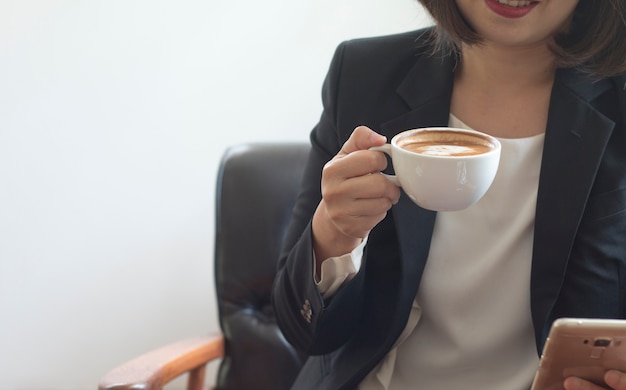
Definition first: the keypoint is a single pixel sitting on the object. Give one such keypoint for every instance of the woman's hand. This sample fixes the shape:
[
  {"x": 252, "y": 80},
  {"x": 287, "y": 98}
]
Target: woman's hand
[
  {"x": 354, "y": 196},
  {"x": 613, "y": 378}
]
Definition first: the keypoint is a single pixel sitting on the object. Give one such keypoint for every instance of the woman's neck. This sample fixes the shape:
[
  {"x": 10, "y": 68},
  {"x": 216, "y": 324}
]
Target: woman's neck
[
  {"x": 506, "y": 68},
  {"x": 504, "y": 92}
]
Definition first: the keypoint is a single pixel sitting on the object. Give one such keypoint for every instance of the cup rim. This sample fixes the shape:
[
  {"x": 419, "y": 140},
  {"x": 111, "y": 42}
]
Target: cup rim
[{"x": 405, "y": 133}]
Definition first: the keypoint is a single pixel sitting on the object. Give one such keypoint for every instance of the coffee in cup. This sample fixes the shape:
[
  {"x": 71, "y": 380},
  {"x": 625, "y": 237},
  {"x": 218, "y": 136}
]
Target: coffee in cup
[{"x": 443, "y": 168}]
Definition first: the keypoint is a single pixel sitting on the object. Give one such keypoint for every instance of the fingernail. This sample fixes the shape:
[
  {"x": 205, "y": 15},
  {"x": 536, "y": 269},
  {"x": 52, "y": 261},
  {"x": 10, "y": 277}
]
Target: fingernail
[
  {"x": 571, "y": 383},
  {"x": 612, "y": 377},
  {"x": 379, "y": 136}
]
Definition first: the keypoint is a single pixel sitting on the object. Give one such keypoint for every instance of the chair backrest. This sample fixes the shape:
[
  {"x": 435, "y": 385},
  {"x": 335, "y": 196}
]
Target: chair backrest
[{"x": 256, "y": 190}]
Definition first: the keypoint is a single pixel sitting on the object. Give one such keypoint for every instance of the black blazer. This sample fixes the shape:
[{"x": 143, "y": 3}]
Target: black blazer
[{"x": 579, "y": 256}]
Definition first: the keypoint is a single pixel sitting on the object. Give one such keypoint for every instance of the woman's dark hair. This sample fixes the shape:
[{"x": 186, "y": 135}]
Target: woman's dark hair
[{"x": 595, "y": 43}]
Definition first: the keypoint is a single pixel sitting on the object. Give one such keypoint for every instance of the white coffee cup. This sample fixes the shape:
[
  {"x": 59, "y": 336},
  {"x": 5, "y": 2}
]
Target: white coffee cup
[{"x": 443, "y": 168}]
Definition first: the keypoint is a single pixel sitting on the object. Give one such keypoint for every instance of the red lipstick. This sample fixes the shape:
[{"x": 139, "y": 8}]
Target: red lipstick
[{"x": 506, "y": 11}]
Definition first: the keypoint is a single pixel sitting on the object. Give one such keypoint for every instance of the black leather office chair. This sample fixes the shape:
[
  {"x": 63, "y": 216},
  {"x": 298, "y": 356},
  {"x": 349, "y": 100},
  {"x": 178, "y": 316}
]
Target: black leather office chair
[{"x": 256, "y": 189}]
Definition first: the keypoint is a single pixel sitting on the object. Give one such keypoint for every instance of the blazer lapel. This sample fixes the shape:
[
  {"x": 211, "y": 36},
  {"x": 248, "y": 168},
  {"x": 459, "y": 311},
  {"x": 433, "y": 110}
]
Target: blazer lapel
[
  {"x": 428, "y": 99},
  {"x": 576, "y": 136}
]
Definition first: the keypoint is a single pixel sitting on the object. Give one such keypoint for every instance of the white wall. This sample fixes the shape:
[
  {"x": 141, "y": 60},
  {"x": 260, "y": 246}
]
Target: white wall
[{"x": 113, "y": 117}]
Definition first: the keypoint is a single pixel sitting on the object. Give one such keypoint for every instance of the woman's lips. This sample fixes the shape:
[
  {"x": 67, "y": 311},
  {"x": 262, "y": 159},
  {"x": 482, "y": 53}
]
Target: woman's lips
[{"x": 511, "y": 9}]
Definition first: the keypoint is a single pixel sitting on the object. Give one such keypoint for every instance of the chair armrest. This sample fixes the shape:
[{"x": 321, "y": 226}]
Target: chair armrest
[{"x": 154, "y": 369}]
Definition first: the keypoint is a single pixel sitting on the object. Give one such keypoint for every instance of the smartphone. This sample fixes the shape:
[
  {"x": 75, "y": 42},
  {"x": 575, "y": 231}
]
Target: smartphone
[{"x": 581, "y": 347}]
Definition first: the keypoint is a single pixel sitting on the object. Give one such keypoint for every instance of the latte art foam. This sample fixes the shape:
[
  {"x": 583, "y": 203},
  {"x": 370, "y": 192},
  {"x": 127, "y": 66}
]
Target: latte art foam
[
  {"x": 434, "y": 149},
  {"x": 445, "y": 143}
]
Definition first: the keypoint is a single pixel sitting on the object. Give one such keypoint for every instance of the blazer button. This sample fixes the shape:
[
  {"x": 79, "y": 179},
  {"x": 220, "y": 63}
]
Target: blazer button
[{"x": 306, "y": 311}]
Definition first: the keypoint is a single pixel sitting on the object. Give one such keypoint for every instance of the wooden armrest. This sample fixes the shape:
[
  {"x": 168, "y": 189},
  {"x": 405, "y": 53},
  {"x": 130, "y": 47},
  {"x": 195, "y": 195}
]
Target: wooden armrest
[{"x": 154, "y": 369}]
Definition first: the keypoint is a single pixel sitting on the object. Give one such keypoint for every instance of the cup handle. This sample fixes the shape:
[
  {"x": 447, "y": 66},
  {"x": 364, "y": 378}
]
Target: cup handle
[{"x": 386, "y": 148}]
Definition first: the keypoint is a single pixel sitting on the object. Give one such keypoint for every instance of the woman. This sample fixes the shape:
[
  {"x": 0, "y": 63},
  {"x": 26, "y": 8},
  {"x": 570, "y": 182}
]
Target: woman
[{"x": 385, "y": 295}]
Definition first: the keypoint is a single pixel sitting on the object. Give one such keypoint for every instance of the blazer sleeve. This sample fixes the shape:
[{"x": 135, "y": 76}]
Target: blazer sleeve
[{"x": 308, "y": 322}]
